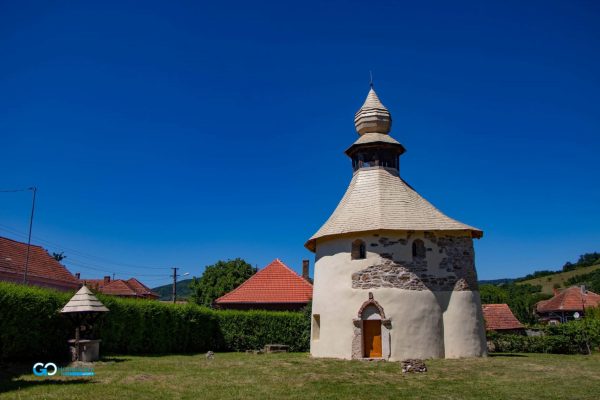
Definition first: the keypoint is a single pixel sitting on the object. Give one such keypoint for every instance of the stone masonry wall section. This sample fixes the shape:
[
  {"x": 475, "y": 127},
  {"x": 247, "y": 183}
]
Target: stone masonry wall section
[{"x": 453, "y": 268}]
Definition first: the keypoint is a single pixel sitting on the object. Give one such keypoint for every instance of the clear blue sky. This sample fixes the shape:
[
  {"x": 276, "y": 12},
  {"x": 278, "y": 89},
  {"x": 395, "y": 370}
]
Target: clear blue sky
[{"x": 179, "y": 133}]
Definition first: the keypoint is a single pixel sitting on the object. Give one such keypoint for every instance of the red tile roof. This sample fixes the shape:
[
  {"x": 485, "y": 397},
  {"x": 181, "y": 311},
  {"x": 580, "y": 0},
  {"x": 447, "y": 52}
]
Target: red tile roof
[
  {"x": 43, "y": 269},
  {"x": 570, "y": 299},
  {"x": 120, "y": 287},
  {"x": 276, "y": 283},
  {"x": 140, "y": 288},
  {"x": 499, "y": 317}
]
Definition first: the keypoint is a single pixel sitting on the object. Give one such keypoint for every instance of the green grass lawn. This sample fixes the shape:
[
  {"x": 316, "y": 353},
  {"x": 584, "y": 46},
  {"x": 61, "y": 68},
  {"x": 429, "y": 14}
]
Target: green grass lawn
[{"x": 297, "y": 376}]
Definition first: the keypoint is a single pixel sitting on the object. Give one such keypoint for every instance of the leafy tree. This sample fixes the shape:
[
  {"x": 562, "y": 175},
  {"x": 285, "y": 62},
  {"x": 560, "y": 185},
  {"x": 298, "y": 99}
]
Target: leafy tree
[
  {"x": 491, "y": 294},
  {"x": 59, "y": 256},
  {"x": 520, "y": 298},
  {"x": 218, "y": 279},
  {"x": 585, "y": 260}
]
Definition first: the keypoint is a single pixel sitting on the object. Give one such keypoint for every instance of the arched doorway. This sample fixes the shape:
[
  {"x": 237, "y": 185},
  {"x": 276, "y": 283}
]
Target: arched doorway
[
  {"x": 371, "y": 332},
  {"x": 371, "y": 337}
]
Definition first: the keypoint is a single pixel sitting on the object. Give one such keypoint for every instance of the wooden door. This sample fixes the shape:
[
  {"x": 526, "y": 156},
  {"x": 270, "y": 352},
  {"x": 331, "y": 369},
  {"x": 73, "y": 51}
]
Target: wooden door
[{"x": 372, "y": 338}]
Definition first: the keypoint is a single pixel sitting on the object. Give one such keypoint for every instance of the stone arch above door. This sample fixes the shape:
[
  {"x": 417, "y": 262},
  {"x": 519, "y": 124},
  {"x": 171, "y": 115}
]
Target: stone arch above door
[
  {"x": 371, "y": 302},
  {"x": 370, "y": 309}
]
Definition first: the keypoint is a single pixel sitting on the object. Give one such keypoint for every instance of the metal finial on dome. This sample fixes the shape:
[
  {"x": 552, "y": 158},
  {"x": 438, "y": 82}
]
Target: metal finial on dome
[{"x": 373, "y": 116}]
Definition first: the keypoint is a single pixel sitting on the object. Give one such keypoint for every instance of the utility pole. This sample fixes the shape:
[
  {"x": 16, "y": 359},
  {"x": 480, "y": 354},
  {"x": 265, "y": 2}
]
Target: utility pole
[
  {"x": 584, "y": 322},
  {"x": 174, "y": 284},
  {"x": 34, "y": 189}
]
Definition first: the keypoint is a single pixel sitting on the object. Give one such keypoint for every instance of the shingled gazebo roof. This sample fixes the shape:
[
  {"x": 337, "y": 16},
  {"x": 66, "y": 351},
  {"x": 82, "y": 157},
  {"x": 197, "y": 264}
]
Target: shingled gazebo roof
[{"x": 84, "y": 301}]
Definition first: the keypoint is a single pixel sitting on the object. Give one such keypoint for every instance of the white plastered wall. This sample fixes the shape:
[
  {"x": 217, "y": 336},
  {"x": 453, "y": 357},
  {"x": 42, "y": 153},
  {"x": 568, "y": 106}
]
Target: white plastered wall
[{"x": 424, "y": 324}]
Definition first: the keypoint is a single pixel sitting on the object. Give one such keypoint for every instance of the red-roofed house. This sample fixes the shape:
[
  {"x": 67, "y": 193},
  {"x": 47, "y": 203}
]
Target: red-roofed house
[
  {"x": 120, "y": 287},
  {"x": 275, "y": 287},
  {"x": 499, "y": 318},
  {"x": 563, "y": 306},
  {"x": 42, "y": 268}
]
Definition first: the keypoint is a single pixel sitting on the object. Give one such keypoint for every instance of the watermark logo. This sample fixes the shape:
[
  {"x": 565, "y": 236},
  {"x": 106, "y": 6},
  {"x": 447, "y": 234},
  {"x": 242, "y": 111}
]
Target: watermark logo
[
  {"x": 77, "y": 371},
  {"x": 50, "y": 369}
]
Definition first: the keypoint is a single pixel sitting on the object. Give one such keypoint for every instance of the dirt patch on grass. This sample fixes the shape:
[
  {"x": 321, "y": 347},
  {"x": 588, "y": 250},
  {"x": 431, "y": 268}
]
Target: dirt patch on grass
[{"x": 141, "y": 378}]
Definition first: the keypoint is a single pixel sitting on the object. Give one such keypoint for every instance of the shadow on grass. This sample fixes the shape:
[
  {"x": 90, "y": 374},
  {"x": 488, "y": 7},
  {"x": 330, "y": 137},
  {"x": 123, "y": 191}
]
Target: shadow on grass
[
  {"x": 156, "y": 355},
  {"x": 20, "y": 384},
  {"x": 10, "y": 373},
  {"x": 114, "y": 359},
  {"x": 506, "y": 355}
]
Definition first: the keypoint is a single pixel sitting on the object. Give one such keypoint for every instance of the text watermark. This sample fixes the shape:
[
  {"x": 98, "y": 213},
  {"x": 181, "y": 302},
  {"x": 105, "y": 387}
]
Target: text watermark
[{"x": 50, "y": 369}]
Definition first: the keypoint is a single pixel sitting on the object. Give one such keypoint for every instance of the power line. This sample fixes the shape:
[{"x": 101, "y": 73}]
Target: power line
[
  {"x": 108, "y": 270},
  {"x": 14, "y": 190},
  {"x": 78, "y": 252},
  {"x": 86, "y": 263},
  {"x": 83, "y": 264},
  {"x": 74, "y": 262}
]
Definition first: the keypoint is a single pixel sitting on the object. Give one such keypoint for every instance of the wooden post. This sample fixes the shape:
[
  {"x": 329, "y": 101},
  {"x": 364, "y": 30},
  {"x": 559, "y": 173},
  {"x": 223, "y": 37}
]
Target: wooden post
[
  {"x": 175, "y": 284},
  {"x": 77, "y": 355}
]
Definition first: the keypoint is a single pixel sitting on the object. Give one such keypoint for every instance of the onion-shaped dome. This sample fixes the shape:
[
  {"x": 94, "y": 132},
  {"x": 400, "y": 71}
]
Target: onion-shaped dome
[{"x": 373, "y": 116}]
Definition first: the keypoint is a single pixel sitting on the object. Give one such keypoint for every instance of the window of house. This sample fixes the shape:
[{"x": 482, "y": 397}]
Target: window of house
[
  {"x": 359, "y": 250},
  {"x": 418, "y": 249},
  {"x": 316, "y": 326}
]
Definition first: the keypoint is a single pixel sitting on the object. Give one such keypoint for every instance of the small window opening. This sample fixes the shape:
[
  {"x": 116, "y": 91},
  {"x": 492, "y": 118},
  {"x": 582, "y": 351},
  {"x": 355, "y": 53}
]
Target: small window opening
[
  {"x": 359, "y": 250},
  {"x": 418, "y": 249},
  {"x": 316, "y": 326}
]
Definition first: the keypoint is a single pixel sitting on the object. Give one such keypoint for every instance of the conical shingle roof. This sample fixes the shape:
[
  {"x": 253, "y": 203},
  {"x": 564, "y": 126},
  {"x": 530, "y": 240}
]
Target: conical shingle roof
[
  {"x": 84, "y": 301},
  {"x": 378, "y": 199}
]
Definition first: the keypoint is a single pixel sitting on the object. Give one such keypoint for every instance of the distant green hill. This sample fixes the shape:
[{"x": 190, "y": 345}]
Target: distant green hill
[
  {"x": 183, "y": 290},
  {"x": 495, "y": 281},
  {"x": 548, "y": 282}
]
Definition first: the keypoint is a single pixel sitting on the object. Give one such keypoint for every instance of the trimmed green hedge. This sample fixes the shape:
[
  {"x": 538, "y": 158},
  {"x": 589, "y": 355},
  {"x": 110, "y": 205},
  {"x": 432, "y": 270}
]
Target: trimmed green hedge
[
  {"x": 574, "y": 337},
  {"x": 151, "y": 327},
  {"x": 243, "y": 330},
  {"x": 29, "y": 323},
  {"x": 31, "y": 326}
]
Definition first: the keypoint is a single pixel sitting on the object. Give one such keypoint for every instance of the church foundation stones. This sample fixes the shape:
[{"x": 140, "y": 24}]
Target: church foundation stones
[{"x": 413, "y": 365}]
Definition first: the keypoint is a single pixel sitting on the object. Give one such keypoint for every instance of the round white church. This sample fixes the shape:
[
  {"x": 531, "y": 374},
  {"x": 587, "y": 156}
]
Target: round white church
[{"x": 394, "y": 277}]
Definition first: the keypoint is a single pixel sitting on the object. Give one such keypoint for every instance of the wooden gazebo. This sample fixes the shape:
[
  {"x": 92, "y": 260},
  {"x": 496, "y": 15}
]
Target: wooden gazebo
[{"x": 84, "y": 309}]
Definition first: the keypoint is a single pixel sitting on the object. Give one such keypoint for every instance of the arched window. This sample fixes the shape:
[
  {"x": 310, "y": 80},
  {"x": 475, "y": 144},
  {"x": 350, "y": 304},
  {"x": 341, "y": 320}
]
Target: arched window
[
  {"x": 359, "y": 250},
  {"x": 316, "y": 326},
  {"x": 418, "y": 249}
]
